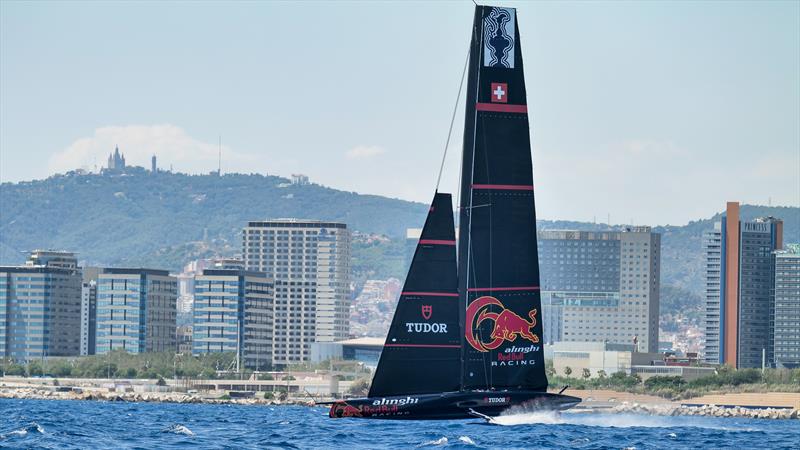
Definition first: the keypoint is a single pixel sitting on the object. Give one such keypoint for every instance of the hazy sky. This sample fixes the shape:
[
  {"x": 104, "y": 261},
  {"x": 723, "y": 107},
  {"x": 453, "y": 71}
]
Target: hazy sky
[{"x": 651, "y": 112}]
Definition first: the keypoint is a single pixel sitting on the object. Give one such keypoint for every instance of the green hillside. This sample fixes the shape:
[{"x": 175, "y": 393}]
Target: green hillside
[{"x": 167, "y": 219}]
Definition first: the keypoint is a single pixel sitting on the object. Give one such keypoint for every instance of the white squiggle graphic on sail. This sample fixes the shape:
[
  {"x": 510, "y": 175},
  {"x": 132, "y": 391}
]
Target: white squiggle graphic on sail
[{"x": 498, "y": 38}]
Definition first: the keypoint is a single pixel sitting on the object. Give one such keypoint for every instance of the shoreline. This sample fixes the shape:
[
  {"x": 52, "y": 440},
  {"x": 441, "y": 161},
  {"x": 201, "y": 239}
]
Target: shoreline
[{"x": 589, "y": 406}]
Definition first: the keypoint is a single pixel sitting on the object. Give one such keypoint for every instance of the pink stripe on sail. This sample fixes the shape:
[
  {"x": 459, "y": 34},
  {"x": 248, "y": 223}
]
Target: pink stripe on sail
[
  {"x": 514, "y": 288},
  {"x": 423, "y": 345},
  {"x": 430, "y": 294},
  {"x": 509, "y": 187},
  {"x": 436, "y": 242},
  {"x": 501, "y": 107}
]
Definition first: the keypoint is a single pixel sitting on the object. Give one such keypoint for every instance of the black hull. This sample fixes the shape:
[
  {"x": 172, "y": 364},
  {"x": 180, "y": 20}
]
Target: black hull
[{"x": 450, "y": 405}]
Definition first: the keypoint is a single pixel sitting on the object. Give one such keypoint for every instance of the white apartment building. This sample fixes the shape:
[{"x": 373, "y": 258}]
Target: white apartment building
[{"x": 310, "y": 264}]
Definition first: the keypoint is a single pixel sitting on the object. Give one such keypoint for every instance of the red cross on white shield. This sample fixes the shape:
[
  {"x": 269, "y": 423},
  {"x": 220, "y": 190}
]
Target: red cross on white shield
[{"x": 499, "y": 92}]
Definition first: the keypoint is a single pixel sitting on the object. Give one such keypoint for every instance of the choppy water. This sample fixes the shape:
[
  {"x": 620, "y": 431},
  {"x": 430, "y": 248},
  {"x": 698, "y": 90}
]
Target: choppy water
[{"x": 78, "y": 424}]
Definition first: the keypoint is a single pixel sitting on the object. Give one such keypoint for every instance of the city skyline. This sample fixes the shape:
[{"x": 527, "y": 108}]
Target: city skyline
[{"x": 690, "y": 100}]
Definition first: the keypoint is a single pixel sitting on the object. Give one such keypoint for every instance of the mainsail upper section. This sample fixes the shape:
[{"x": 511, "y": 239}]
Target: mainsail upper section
[
  {"x": 423, "y": 347},
  {"x": 498, "y": 260}
]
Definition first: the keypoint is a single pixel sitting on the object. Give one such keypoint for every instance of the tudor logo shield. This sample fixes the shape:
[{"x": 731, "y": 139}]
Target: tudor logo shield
[{"x": 427, "y": 310}]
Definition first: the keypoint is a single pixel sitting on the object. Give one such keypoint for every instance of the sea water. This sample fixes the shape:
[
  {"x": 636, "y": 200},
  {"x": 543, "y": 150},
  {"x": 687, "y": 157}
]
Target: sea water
[{"x": 86, "y": 424}]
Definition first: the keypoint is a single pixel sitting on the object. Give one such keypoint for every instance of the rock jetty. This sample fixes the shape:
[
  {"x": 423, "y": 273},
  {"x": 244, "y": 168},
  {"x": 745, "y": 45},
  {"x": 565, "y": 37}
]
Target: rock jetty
[
  {"x": 157, "y": 397},
  {"x": 705, "y": 410}
]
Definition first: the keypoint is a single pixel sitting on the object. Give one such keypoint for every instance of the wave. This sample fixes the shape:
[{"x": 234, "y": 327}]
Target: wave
[
  {"x": 438, "y": 442},
  {"x": 466, "y": 440},
  {"x": 33, "y": 427},
  {"x": 178, "y": 429}
]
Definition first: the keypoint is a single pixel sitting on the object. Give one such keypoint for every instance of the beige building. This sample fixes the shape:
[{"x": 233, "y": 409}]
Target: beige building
[
  {"x": 613, "y": 358},
  {"x": 597, "y": 356},
  {"x": 310, "y": 263},
  {"x": 601, "y": 286}
]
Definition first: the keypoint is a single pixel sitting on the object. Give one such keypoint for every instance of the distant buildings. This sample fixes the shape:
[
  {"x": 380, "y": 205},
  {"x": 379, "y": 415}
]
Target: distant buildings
[
  {"x": 299, "y": 179},
  {"x": 185, "y": 339},
  {"x": 601, "y": 286},
  {"x": 599, "y": 359},
  {"x": 153, "y": 166},
  {"x": 310, "y": 264},
  {"x": 136, "y": 310},
  {"x": 739, "y": 329},
  {"x": 40, "y": 307},
  {"x": 233, "y": 312},
  {"x": 787, "y": 307},
  {"x": 115, "y": 160}
]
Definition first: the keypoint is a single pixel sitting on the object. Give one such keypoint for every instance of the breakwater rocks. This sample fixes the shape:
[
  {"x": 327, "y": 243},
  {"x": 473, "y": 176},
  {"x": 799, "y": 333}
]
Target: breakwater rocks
[
  {"x": 706, "y": 410},
  {"x": 157, "y": 397}
]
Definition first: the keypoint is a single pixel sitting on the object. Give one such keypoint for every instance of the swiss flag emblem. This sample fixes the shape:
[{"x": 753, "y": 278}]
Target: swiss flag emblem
[{"x": 499, "y": 93}]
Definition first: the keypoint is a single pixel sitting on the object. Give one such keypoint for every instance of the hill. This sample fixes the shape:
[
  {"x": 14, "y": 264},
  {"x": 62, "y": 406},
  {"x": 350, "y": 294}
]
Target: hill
[{"x": 164, "y": 220}]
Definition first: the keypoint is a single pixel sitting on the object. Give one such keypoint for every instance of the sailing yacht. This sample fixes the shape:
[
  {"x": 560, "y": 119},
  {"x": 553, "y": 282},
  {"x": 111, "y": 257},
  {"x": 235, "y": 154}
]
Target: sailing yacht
[{"x": 466, "y": 338}]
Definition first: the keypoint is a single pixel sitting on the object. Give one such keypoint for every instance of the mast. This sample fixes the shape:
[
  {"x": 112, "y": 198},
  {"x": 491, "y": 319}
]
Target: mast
[{"x": 498, "y": 270}]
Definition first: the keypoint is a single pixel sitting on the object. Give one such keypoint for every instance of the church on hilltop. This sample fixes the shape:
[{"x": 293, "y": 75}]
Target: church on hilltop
[{"x": 115, "y": 160}]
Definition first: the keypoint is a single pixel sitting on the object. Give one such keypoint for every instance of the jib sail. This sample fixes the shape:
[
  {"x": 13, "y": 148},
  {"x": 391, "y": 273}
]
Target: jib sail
[
  {"x": 423, "y": 348},
  {"x": 498, "y": 263}
]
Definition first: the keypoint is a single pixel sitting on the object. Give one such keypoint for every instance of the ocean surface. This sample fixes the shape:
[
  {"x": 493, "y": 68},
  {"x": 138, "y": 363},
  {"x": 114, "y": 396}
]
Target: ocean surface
[{"x": 84, "y": 424}]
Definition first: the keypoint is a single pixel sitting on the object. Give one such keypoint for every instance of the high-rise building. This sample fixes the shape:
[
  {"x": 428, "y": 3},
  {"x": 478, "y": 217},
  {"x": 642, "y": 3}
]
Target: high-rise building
[
  {"x": 713, "y": 253},
  {"x": 153, "y": 166},
  {"x": 88, "y": 317},
  {"x": 136, "y": 311},
  {"x": 233, "y": 312},
  {"x": 739, "y": 329},
  {"x": 787, "y": 307},
  {"x": 40, "y": 307},
  {"x": 310, "y": 263},
  {"x": 601, "y": 285}
]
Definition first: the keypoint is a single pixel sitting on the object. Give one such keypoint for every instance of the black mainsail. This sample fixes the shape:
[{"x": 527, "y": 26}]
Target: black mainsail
[
  {"x": 465, "y": 340},
  {"x": 422, "y": 352},
  {"x": 498, "y": 259}
]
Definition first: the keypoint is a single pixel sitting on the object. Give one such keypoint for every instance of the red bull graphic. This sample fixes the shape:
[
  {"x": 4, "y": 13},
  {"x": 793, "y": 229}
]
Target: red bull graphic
[
  {"x": 342, "y": 409},
  {"x": 508, "y": 325}
]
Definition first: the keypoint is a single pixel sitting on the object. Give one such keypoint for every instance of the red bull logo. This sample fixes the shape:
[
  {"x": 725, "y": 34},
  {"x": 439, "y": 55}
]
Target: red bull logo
[
  {"x": 342, "y": 409},
  {"x": 508, "y": 325}
]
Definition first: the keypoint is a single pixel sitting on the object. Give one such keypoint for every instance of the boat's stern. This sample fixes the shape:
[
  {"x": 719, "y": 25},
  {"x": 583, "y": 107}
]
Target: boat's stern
[{"x": 342, "y": 408}]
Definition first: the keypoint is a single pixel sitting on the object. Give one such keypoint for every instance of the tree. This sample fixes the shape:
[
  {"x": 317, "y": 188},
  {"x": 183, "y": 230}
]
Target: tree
[
  {"x": 586, "y": 373},
  {"x": 568, "y": 371},
  {"x": 601, "y": 374},
  {"x": 549, "y": 369}
]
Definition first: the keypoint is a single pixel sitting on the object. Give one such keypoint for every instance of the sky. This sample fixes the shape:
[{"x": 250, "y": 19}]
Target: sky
[{"x": 649, "y": 113}]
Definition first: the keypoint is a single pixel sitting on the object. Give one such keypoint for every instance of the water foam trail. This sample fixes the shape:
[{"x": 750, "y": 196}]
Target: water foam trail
[{"x": 520, "y": 416}]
